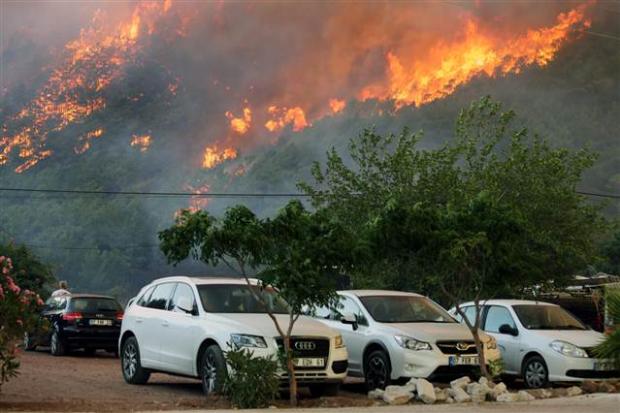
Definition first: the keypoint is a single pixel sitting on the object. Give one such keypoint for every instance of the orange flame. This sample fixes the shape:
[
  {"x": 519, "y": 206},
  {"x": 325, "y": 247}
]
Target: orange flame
[
  {"x": 84, "y": 140},
  {"x": 284, "y": 116},
  {"x": 337, "y": 105},
  {"x": 240, "y": 125},
  {"x": 141, "y": 141},
  {"x": 213, "y": 156}
]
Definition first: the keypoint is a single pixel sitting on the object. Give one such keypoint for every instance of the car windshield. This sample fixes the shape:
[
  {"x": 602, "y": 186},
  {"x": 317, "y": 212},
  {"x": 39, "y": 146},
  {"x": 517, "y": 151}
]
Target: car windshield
[
  {"x": 547, "y": 317},
  {"x": 235, "y": 298},
  {"x": 94, "y": 305},
  {"x": 405, "y": 309}
]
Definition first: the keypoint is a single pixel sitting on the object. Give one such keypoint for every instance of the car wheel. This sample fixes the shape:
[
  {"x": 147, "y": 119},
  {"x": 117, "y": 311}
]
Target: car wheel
[
  {"x": 57, "y": 347},
  {"x": 90, "y": 351},
  {"x": 377, "y": 370},
  {"x": 29, "y": 342},
  {"x": 324, "y": 389},
  {"x": 212, "y": 369},
  {"x": 133, "y": 372},
  {"x": 535, "y": 373}
]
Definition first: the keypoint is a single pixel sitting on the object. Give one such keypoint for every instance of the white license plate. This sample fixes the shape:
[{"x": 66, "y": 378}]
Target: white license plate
[
  {"x": 463, "y": 360},
  {"x": 603, "y": 365},
  {"x": 100, "y": 322},
  {"x": 309, "y": 362}
]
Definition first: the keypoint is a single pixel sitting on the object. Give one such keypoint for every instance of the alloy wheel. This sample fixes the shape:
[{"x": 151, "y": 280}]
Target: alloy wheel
[
  {"x": 209, "y": 373},
  {"x": 26, "y": 340},
  {"x": 535, "y": 374},
  {"x": 54, "y": 343},
  {"x": 376, "y": 377},
  {"x": 130, "y": 360}
]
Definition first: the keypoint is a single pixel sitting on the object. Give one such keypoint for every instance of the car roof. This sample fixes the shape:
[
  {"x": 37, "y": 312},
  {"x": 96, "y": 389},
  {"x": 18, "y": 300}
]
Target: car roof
[
  {"x": 507, "y": 302},
  {"x": 87, "y": 295},
  {"x": 206, "y": 280},
  {"x": 368, "y": 293}
]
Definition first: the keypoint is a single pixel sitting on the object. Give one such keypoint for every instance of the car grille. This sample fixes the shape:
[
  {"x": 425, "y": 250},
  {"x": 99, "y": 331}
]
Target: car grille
[
  {"x": 308, "y": 347},
  {"x": 457, "y": 347}
]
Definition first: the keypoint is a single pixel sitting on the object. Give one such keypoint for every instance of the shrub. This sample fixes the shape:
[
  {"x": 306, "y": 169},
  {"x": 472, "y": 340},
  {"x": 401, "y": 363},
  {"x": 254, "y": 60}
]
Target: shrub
[
  {"x": 18, "y": 314},
  {"x": 252, "y": 382},
  {"x": 610, "y": 347}
]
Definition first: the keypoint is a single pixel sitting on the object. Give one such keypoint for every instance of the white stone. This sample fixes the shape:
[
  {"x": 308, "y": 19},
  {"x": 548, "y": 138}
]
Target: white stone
[
  {"x": 573, "y": 391},
  {"x": 411, "y": 385},
  {"x": 523, "y": 396},
  {"x": 376, "y": 394},
  {"x": 441, "y": 395},
  {"x": 461, "y": 383},
  {"x": 478, "y": 392},
  {"x": 506, "y": 397},
  {"x": 426, "y": 391},
  {"x": 459, "y": 395},
  {"x": 498, "y": 390},
  {"x": 483, "y": 380},
  {"x": 449, "y": 400},
  {"x": 396, "y": 395}
]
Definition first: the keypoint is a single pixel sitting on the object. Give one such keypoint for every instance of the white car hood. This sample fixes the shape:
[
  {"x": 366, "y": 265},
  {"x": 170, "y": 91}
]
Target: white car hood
[
  {"x": 433, "y": 332},
  {"x": 580, "y": 338},
  {"x": 263, "y": 325}
]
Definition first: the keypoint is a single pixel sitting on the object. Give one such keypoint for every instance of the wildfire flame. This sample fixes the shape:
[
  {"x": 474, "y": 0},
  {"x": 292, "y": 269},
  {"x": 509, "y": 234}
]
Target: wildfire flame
[
  {"x": 337, "y": 105},
  {"x": 141, "y": 141},
  {"x": 84, "y": 140},
  {"x": 213, "y": 156},
  {"x": 242, "y": 124},
  {"x": 286, "y": 116}
]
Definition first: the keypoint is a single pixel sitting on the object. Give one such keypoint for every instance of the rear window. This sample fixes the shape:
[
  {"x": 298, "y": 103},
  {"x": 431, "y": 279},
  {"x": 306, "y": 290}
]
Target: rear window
[{"x": 94, "y": 305}]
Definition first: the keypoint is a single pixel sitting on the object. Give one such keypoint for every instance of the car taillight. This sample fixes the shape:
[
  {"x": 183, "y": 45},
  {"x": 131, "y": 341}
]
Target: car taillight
[
  {"x": 72, "y": 316},
  {"x": 119, "y": 316}
]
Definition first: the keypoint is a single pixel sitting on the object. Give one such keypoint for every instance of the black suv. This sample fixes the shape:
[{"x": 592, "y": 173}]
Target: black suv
[{"x": 75, "y": 321}]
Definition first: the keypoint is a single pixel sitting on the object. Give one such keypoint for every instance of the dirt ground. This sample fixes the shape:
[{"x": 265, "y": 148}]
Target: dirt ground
[{"x": 82, "y": 383}]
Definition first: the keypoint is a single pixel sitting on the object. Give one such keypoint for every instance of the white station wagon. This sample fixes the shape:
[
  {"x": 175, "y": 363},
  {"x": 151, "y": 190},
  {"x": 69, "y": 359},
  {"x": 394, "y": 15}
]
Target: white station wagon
[
  {"x": 542, "y": 342},
  {"x": 183, "y": 325}
]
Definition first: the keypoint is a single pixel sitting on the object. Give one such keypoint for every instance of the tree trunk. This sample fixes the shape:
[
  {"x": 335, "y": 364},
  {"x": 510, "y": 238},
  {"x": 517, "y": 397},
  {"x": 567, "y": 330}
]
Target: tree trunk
[
  {"x": 480, "y": 349},
  {"x": 290, "y": 367}
]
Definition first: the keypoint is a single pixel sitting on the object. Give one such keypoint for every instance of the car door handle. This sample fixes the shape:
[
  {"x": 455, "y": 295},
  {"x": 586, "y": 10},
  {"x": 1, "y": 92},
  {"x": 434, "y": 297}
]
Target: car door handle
[
  {"x": 164, "y": 323},
  {"x": 139, "y": 320}
]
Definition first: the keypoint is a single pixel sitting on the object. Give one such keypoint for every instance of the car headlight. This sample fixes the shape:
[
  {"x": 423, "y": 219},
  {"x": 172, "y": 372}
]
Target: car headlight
[
  {"x": 492, "y": 343},
  {"x": 338, "y": 341},
  {"x": 411, "y": 343},
  {"x": 247, "y": 340},
  {"x": 568, "y": 349}
]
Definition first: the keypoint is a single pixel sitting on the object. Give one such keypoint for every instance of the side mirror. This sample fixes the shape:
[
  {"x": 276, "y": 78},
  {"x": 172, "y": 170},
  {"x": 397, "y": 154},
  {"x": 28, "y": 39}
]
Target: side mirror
[
  {"x": 185, "y": 304},
  {"x": 506, "y": 329},
  {"x": 349, "y": 318}
]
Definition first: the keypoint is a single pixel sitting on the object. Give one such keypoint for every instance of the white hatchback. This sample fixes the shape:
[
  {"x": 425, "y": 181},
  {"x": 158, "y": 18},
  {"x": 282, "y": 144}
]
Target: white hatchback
[
  {"x": 392, "y": 335},
  {"x": 183, "y": 325},
  {"x": 542, "y": 342}
]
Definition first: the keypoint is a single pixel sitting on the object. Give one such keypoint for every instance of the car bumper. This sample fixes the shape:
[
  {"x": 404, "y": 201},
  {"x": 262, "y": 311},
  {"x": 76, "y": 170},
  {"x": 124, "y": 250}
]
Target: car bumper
[
  {"x": 562, "y": 368},
  {"x": 433, "y": 364},
  {"x": 91, "y": 337}
]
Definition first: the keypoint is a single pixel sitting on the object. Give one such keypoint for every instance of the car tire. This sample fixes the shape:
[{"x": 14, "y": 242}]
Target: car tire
[
  {"x": 30, "y": 343},
  {"x": 377, "y": 370},
  {"x": 133, "y": 372},
  {"x": 324, "y": 389},
  {"x": 535, "y": 373},
  {"x": 213, "y": 370},
  {"x": 57, "y": 347},
  {"x": 90, "y": 351}
]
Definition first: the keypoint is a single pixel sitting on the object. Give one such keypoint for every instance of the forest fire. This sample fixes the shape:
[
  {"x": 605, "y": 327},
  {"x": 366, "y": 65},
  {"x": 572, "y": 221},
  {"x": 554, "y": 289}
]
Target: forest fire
[{"x": 402, "y": 64}]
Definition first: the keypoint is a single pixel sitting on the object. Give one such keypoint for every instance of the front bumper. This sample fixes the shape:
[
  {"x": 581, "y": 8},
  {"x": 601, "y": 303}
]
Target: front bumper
[
  {"x": 563, "y": 368},
  {"x": 432, "y": 364}
]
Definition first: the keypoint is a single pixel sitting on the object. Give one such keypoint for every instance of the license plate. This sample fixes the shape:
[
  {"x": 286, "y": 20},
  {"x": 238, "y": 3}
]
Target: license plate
[
  {"x": 309, "y": 362},
  {"x": 603, "y": 366},
  {"x": 100, "y": 322},
  {"x": 463, "y": 360}
]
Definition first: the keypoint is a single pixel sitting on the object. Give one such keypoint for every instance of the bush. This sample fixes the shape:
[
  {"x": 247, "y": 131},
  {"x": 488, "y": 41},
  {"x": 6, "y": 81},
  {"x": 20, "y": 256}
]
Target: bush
[
  {"x": 18, "y": 314},
  {"x": 610, "y": 347},
  {"x": 252, "y": 382}
]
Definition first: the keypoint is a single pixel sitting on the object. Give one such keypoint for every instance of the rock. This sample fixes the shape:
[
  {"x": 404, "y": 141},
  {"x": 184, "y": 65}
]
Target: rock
[
  {"x": 540, "y": 393},
  {"x": 449, "y": 400},
  {"x": 574, "y": 391},
  {"x": 376, "y": 394},
  {"x": 483, "y": 380},
  {"x": 507, "y": 397},
  {"x": 478, "y": 392},
  {"x": 395, "y": 395},
  {"x": 498, "y": 390},
  {"x": 606, "y": 387},
  {"x": 589, "y": 386},
  {"x": 441, "y": 395},
  {"x": 460, "y": 383},
  {"x": 559, "y": 392},
  {"x": 426, "y": 391},
  {"x": 459, "y": 395},
  {"x": 523, "y": 396},
  {"x": 411, "y": 385}
]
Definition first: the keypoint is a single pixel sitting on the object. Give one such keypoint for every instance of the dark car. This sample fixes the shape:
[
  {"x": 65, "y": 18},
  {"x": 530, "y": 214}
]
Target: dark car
[{"x": 78, "y": 321}]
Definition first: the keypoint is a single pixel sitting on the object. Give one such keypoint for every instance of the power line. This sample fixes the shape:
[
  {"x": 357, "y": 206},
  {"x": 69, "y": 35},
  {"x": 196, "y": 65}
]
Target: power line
[
  {"x": 98, "y": 248},
  {"x": 605, "y": 35},
  {"x": 206, "y": 194}
]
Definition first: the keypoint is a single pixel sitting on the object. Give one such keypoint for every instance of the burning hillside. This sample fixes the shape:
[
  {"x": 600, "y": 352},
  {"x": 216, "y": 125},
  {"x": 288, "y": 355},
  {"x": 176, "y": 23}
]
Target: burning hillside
[{"x": 258, "y": 70}]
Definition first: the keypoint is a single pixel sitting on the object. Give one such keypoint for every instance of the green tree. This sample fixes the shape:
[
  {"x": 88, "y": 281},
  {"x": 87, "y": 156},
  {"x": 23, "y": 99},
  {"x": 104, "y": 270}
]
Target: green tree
[
  {"x": 610, "y": 347},
  {"x": 28, "y": 270},
  {"x": 298, "y": 253},
  {"x": 610, "y": 252}
]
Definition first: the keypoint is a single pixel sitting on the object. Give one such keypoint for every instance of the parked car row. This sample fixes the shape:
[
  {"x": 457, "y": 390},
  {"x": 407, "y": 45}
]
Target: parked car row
[{"x": 184, "y": 325}]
